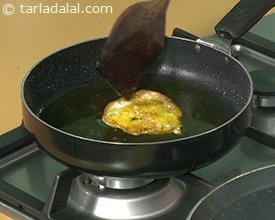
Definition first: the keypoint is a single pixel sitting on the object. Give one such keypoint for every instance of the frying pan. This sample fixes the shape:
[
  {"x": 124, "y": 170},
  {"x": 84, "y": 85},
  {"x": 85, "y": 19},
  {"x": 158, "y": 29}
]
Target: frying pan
[
  {"x": 248, "y": 196},
  {"x": 211, "y": 87}
]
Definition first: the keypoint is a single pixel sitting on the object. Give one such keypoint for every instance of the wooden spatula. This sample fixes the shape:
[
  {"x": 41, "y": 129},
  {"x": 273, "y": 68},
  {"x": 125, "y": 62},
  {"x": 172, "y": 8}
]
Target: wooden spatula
[{"x": 135, "y": 41}]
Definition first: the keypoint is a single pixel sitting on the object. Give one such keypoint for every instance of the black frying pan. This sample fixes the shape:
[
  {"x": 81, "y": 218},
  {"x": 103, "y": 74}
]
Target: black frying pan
[
  {"x": 247, "y": 196},
  {"x": 212, "y": 88}
]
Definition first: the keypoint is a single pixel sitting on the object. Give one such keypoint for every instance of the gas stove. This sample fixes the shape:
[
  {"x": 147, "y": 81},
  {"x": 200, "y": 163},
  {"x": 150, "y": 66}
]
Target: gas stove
[{"x": 35, "y": 186}]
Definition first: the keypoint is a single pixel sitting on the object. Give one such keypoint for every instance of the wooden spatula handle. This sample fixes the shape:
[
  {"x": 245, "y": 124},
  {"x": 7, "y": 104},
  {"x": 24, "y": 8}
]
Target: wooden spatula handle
[{"x": 135, "y": 41}]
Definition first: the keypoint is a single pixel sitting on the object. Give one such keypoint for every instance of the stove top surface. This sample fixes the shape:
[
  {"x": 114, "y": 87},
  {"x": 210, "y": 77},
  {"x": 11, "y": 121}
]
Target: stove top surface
[
  {"x": 28, "y": 175},
  {"x": 29, "y": 178}
]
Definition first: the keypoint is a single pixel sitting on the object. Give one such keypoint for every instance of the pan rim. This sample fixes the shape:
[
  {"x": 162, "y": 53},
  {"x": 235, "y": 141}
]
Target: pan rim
[
  {"x": 225, "y": 184},
  {"x": 249, "y": 99}
]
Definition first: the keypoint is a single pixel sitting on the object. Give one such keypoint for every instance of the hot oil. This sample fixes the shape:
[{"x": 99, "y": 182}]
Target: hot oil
[{"x": 80, "y": 110}]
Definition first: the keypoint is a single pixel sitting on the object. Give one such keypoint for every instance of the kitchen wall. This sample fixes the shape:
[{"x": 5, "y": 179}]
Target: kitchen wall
[{"x": 26, "y": 38}]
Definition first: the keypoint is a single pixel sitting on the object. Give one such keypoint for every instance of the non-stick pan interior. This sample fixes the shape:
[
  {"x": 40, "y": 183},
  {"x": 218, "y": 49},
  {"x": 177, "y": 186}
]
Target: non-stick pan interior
[{"x": 67, "y": 91}]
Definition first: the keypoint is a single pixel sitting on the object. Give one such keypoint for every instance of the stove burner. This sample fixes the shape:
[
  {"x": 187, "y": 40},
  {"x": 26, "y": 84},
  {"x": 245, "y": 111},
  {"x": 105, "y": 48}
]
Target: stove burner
[
  {"x": 153, "y": 200},
  {"x": 119, "y": 183},
  {"x": 264, "y": 90},
  {"x": 263, "y": 117}
]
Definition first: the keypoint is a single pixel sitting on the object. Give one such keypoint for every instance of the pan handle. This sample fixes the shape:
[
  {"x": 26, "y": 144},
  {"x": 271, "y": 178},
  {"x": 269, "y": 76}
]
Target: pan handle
[{"x": 242, "y": 17}]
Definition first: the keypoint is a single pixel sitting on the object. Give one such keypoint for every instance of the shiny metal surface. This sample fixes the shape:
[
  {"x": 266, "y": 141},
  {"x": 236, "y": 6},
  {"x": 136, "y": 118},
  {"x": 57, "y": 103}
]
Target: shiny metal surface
[
  {"x": 17, "y": 156},
  {"x": 31, "y": 172},
  {"x": 238, "y": 50},
  {"x": 264, "y": 101},
  {"x": 151, "y": 201},
  {"x": 13, "y": 212},
  {"x": 247, "y": 155},
  {"x": 263, "y": 117},
  {"x": 247, "y": 196},
  {"x": 217, "y": 42},
  {"x": 119, "y": 183},
  {"x": 264, "y": 120},
  {"x": 264, "y": 89}
]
